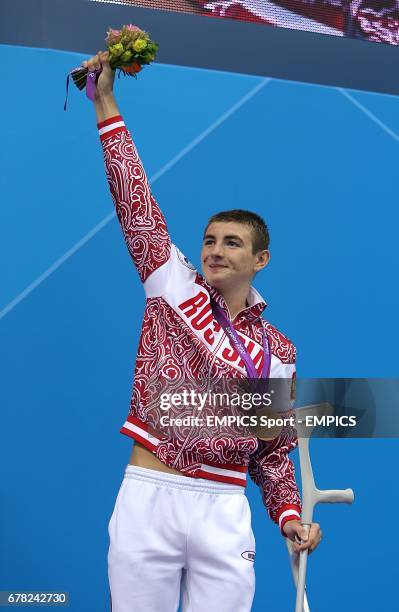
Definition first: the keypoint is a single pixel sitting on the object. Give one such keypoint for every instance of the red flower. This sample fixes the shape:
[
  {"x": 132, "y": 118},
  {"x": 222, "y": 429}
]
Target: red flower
[{"x": 132, "y": 69}]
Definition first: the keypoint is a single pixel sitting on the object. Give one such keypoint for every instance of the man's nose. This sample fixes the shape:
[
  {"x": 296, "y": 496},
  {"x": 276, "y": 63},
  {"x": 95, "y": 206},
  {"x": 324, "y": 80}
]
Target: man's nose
[{"x": 217, "y": 249}]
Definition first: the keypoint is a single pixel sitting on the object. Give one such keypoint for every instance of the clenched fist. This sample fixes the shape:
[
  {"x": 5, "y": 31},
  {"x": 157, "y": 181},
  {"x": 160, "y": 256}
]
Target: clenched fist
[
  {"x": 105, "y": 82},
  {"x": 296, "y": 532}
]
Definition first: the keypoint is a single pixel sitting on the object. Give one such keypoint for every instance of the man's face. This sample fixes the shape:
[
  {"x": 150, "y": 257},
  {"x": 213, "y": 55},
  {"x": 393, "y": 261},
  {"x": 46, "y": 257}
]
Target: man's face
[{"x": 226, "y": 255}]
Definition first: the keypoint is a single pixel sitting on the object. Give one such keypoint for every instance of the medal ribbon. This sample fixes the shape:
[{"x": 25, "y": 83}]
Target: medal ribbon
[
  {"x": 238, "y": 344},
  {"x": 91, "y": 83}
]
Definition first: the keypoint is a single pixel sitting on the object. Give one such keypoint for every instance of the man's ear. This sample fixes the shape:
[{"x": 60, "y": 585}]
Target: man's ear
[{"x": 262, "y": 259}]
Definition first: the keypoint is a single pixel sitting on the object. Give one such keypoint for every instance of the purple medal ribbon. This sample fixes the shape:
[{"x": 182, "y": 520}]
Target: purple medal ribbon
[
  {"x": 236, "y": 341},
  {"x": 91, "y": 83}
]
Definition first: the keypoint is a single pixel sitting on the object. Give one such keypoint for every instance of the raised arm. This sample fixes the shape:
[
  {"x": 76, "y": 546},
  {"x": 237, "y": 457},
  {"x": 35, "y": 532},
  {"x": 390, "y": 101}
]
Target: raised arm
[{"x": 141, "y": 219}]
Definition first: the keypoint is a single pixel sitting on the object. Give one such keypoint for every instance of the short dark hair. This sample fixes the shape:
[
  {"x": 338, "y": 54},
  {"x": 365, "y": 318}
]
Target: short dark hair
[{"x": 260, "y": 232}]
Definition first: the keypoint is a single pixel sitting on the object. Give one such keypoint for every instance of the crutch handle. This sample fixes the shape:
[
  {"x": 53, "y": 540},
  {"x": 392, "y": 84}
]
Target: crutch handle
[
  {"x": 334, "y": 496},
  {"x": 313, "y": 496}
]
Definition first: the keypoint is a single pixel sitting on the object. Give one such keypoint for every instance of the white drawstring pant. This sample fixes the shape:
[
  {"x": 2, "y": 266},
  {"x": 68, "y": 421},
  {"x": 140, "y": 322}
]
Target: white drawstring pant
[{"x": 173, "y": 535}]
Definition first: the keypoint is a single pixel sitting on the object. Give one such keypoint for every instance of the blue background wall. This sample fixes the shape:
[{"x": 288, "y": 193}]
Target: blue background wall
[{"x": 320, "y": 164}]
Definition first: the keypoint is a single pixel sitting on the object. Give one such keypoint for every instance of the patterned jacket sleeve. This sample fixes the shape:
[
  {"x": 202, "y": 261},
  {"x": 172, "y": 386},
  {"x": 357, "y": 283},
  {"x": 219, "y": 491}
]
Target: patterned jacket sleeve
[
  {"x": 141, "y": 219},
  {"x": 272, "y": 469}
]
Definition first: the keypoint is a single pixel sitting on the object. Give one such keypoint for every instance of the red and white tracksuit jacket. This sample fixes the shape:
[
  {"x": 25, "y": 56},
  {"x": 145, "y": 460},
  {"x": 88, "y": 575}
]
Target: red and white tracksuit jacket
[{"x": 180, "y": 338}]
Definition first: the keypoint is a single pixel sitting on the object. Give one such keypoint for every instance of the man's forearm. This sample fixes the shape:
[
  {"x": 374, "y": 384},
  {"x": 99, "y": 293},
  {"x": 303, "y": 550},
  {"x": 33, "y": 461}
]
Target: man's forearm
[{"x": 106, "y": 107}]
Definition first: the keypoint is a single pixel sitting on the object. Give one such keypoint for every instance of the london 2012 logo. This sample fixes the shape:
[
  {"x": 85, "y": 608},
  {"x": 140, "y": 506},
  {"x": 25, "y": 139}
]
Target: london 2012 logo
[{"x": 184, "y": 260}]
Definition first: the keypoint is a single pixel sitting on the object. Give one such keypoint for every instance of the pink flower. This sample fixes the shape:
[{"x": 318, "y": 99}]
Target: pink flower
[
  {"x": 113, "y": 36},
  {"x": 132, "y": 28}
]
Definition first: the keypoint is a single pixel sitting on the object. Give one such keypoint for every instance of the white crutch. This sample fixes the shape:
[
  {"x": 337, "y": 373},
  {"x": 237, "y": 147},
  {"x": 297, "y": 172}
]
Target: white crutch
[{"x": 310, "y": 497}]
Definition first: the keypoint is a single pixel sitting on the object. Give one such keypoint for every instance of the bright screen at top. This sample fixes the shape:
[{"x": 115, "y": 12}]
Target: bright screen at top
[{"x": 373, "y": 20}]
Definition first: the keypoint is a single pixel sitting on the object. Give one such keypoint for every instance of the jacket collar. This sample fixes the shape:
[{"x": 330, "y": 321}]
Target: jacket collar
[{"x": 256, "y": 303}]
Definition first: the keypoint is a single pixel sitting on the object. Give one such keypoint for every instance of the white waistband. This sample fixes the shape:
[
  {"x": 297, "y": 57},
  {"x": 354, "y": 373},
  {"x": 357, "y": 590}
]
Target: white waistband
[{"x": 181, "y": 482}]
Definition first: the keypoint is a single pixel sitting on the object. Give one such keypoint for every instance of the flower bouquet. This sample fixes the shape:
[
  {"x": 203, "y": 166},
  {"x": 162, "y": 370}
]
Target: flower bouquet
[{"x": 128, "y": 50}]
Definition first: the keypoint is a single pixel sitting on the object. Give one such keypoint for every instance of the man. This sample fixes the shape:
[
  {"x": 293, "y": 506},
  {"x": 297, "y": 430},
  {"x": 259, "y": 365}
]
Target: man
[{"x": 181, "y": 521}]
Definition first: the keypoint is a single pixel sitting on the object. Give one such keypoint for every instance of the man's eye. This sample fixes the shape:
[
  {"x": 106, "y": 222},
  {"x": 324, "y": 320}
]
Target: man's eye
[{"x": 233, "y": 243}]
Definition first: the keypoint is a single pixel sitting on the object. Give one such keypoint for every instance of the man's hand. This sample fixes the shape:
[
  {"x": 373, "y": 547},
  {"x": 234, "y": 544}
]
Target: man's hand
[
  {"x": 105, "y": 82},
  {"x": 295, "y": 531},
  {"x": 104, "y": 101}
]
